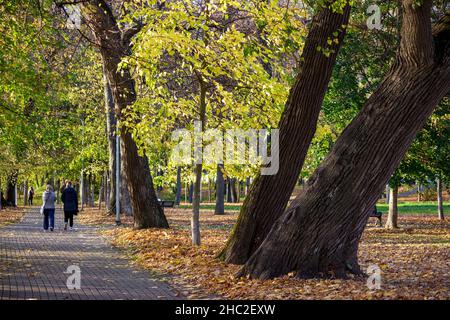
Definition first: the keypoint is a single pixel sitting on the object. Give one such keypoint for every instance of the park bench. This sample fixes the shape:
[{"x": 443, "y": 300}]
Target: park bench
[
  {"x": 166, "y": 203},
  {"x": 376, "y": 214}
]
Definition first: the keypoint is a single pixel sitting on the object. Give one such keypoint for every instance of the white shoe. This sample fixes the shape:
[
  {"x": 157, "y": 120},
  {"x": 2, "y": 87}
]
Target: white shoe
[{"x": 70, "y": 228}]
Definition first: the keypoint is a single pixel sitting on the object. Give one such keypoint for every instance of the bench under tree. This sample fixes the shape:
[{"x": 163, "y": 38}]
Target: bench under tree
[{"x": 376, "y": 214}]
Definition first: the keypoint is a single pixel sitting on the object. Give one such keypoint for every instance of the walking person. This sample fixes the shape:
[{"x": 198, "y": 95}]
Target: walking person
[
  {"x": 30, "y": 196},
  {"x": 48, "y": 208},
  {"x": 70, "y": 199}
]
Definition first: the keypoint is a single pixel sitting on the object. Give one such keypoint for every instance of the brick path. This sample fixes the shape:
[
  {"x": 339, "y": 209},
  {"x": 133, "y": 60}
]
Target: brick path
[{"x": 32, "y": 265}]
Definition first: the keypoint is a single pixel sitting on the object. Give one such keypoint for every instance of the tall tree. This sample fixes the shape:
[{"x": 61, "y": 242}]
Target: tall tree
[
  {"x": 111, "y": 132},
  {"x": 263, "y": 205},
  {"x": 318, "y": 234},
  {"x": 114, "y": 44}
]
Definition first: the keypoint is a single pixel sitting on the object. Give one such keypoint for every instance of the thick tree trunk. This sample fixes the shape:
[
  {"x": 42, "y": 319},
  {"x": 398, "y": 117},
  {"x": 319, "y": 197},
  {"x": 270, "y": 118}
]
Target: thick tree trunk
[
  {"x": 391, "y": 222},
  {"x": 440, "y": 200},
  {"x": 114, "y": 45},
  {"x": 11, "y": 189},
  {"x": 269, "y": 195},
  {"x": 319, "y": 233},
  {"x": 220, "y": 191},
  {"x": 126, "y": 206}
]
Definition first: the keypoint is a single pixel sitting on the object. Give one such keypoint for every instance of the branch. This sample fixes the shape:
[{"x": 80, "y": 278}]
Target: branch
[{"x": 416, "y": 45}]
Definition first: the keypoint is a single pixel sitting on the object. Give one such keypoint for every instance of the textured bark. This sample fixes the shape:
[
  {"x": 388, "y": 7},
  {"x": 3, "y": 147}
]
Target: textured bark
[
  {"x": 126, "y": 207},
  {"x": 11, "y": 183},
  {"x": 220, "y": 191},
  {"x": 113, "y": 47},
  {"x": 268, "y": 196},
  {"x": 440, "y": 199},
  {"x": 391, "y": 222},
  {"x": 111, "y": 123},
  {"x": 316, "y": 235}
]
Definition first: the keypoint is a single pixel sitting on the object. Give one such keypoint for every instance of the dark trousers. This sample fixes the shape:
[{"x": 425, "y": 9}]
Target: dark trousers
[
  {"x": 49, "y": 218},
  {"x": 30, "y": 201},
  {"x": 68, "y": 217}
]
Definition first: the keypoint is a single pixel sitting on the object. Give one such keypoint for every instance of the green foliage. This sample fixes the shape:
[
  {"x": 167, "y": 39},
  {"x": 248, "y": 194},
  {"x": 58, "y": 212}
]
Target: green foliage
[{"x": 241, "y": 52}]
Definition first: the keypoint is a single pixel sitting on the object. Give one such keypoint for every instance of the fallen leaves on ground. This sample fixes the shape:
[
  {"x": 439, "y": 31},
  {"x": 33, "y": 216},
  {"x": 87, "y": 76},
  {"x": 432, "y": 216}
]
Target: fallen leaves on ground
[
  {"x": 413, "y": 260},
  {"x": 11, "y": 215}
]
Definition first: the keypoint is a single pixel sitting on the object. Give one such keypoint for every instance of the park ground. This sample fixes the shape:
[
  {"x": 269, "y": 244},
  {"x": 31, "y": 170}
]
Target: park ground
[{"x": 414, "y": 260}]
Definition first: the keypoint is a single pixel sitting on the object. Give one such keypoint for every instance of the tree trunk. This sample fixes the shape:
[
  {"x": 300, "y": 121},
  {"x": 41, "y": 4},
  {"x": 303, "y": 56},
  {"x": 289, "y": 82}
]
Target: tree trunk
[
  {"x": 220, "y": 191},
  {"x": 101, "y": 192},
  {"x": 25, "y": 193},
  {"x": 233, "y": 189},
  {"x": 191, "y": 192},
  {"x": 228, "y": 192},
  {"x": 178, "y": 192},
  {"x": 387, "y": 193},
  {"x": 111, "y": 123},
  {"x": 419, "y": 187},
  {"x": 319, "y": 234},
  {"x": 269, "y": 194},
  {"x": 439, "y": 199},
  {"x": 11, "y": 189},
  {"x": 126, "y": 206},
  {"x": 114, "y": 45},
  {"x": 107, "y": 190},
  {"x": 195, "y": 222},
  {"x": 391, "y": 222}
]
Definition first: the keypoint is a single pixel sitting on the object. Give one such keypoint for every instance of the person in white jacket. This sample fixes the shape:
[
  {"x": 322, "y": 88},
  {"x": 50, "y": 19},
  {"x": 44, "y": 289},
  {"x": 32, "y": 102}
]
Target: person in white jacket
[{"x": 48, "y": 208}]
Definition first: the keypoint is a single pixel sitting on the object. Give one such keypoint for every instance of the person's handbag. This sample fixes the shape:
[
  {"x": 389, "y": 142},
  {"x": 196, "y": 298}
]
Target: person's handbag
[{"x": 43, "y": 206}]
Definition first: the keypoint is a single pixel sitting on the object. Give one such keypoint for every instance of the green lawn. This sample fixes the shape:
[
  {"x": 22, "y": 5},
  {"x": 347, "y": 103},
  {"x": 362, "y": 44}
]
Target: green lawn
[
  {"x": 429, "y": 207},
  {"x": 425, "y": 207}
]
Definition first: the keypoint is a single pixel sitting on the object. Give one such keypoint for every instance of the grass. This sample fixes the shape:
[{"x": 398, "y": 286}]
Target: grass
[
  {"x": 407, "y": 207},
  {"x": 415, "y": 208}
]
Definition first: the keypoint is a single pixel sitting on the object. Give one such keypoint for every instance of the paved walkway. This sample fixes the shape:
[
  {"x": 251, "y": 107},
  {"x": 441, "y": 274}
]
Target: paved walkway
[{"x": 33, "y": 265}]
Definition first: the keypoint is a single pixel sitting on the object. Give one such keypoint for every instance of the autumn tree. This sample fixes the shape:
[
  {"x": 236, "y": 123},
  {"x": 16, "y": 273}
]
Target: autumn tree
[
  {"x": 263, "y": 204},
  {"x": 318, "y": 234},
  {"x": 114, "y": 44}
]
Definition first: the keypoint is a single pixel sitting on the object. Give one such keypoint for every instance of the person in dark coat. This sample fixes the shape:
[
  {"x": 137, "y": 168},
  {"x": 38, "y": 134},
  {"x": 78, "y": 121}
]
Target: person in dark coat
[
  {"x": 70, "y": 199},
  {"x": 30, "y": 196}
]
